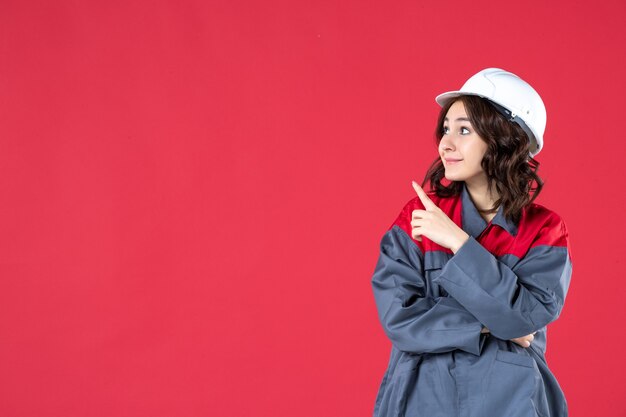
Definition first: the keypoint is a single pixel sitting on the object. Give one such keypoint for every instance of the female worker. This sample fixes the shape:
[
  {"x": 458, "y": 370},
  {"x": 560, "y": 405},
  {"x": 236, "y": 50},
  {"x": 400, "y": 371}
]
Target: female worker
[{"x": 471, "y": 273}]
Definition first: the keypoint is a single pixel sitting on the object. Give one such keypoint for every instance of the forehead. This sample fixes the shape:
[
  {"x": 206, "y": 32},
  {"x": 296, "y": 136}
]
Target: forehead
[{"x": 456, "y": 112}]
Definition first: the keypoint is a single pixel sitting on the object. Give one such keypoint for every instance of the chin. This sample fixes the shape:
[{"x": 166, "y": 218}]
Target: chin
[{"x": 452, "y": 177}]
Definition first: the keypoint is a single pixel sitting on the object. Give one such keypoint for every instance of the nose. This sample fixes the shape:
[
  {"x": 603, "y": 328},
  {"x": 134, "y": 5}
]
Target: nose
[{"x": 446, "y": 143}]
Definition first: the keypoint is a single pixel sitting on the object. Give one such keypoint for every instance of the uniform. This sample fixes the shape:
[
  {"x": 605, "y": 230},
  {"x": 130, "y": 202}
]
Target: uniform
[{"x": 432, "y": 303}]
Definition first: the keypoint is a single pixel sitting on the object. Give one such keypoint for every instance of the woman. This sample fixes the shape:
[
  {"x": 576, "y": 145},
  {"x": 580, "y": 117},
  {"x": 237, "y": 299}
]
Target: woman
[{"x": 470, "y": 274}]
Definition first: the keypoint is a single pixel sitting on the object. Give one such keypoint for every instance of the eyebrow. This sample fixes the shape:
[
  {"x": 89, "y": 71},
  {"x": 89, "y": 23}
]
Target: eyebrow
[{"x": 459, "y": 119}]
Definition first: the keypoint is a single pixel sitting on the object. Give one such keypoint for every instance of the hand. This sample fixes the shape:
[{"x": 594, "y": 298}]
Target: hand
[
  {"x": 435, "y": 224},
  {"x": 524, "y": 341}
]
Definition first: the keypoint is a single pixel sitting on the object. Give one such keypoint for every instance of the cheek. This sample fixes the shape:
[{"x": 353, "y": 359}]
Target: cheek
[
  {"x": 440, "y": 150},
  {"x": 483, "y": 151},
  {"x": 479, "y": 148}
]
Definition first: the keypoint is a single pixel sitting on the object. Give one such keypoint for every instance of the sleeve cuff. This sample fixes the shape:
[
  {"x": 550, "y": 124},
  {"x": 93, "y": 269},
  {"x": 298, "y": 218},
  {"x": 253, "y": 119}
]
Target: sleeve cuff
[{"x": 468, "y": 263}]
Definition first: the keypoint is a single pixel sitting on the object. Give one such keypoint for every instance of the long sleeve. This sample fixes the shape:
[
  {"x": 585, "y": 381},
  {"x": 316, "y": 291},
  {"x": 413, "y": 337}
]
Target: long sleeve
[
  {"x": 413, "y": 321},
  {"x": 512, "y": 302}
]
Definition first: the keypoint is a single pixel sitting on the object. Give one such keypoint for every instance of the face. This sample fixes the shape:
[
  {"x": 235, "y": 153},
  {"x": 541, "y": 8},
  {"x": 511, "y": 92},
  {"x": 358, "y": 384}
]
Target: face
[{"x": 461, "y": 149}]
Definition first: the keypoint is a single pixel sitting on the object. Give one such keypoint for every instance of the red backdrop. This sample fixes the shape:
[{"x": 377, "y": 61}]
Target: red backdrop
[{"x": 193, "y": 194}]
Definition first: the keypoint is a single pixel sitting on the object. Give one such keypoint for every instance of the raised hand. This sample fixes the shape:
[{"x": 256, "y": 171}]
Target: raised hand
[{"x": 435, "y": 224}]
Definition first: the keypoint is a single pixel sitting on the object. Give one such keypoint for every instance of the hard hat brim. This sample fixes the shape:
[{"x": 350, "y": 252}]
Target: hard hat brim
[{"x": 444, "y": 98}]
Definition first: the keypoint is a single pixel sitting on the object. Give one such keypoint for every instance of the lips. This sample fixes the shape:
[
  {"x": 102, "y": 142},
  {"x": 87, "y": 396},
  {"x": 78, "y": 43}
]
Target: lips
[{"x": 451, "y": 161}]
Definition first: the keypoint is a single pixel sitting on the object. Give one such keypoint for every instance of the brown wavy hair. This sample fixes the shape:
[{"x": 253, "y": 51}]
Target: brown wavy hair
[{"x": 507, "y": 163}]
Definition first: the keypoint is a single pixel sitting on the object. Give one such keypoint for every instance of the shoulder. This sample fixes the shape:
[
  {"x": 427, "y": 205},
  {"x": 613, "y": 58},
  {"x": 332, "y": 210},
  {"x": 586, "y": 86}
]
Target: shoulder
[{"x": 545, "y": 225}]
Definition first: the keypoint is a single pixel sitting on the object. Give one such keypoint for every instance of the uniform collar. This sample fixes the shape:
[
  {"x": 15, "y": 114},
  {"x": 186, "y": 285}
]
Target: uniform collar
[{"x": 474, "y": 224}]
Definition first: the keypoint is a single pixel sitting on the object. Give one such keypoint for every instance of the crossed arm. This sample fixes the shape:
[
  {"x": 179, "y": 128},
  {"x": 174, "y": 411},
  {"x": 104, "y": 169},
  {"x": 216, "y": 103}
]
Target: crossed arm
[{"x": 485, "y": 295}]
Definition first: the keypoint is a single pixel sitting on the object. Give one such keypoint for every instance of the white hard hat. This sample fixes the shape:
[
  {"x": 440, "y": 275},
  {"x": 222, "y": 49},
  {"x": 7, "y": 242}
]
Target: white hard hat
[{"x": 513, "y": 97}]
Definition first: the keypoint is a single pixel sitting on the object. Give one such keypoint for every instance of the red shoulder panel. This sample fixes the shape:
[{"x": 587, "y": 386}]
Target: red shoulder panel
[
  {"x": 538, "y": 226},
  {"x": 404, "y": 219},
  {"x": 551, "y": 229}
]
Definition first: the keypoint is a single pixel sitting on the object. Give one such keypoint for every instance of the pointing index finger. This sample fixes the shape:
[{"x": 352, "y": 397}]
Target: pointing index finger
[{"x": 426, "y": 201}]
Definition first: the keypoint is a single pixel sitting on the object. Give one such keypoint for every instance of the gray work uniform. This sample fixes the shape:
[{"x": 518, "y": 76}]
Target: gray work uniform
[{"x": 432, "y": 303}]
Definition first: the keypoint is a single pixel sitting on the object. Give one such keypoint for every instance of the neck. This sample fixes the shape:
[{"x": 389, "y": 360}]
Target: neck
[{"x": 479, "y": 192}]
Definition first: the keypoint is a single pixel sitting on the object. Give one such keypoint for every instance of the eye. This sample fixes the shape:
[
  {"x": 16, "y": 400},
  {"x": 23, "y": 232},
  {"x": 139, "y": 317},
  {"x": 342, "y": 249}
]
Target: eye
[
  {"x": 445, "y": 130},
  {"x": 465, "y": 131}
]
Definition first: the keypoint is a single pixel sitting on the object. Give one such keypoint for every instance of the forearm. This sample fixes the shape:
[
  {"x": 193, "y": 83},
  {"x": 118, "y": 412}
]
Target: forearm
[
  {"x": 412, "y": 320},
  {"x": 508, "y": 304}
]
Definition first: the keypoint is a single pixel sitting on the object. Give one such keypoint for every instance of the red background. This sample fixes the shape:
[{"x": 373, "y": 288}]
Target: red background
[{"x": 193, "y": 194}]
